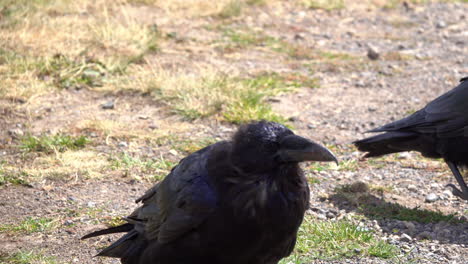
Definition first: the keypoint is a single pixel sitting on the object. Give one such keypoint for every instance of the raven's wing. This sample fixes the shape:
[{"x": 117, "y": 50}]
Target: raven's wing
[
  {"x": 446, "y": 116},
  {"x": 178, "y": 204}
]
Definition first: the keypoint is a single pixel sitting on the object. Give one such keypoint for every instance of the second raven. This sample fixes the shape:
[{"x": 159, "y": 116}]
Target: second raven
[{"x": 439, "y": 130}]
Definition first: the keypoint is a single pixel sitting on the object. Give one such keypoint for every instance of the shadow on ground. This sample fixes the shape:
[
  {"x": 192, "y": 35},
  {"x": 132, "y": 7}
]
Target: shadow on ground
[{"x": 396, "y": 219}]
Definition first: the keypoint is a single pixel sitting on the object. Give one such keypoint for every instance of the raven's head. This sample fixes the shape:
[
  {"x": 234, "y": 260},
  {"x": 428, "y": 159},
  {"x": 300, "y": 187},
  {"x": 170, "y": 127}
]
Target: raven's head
[{"x": 264, "y": 146}]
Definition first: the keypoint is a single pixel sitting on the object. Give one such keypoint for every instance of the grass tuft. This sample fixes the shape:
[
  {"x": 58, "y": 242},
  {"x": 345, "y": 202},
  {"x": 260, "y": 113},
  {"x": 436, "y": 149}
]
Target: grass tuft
[
  {"x": 234, "y": 99},
  {"x": 27, "y": 257},
  {"x": 232, "y": 9},
  {"x": 67, "y": 73},
  {"x": 29, "y": 225},
  {"x": 152, "y": 169},
  {"x": 327, "y": 5},
  {"x": 50, "y": 144},
  {"x": 336, "y": 240}
]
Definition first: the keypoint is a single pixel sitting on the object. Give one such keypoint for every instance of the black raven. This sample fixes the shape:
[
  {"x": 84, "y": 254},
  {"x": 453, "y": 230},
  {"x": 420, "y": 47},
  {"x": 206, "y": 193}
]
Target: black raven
[
  {"x": 233, "y": 202},
  {"x": 439, "y": 130}
]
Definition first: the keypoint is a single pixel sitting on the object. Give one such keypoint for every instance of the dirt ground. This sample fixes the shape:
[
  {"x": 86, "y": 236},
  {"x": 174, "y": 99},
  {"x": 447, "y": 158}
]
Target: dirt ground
[{"x": 422, "y": 53}]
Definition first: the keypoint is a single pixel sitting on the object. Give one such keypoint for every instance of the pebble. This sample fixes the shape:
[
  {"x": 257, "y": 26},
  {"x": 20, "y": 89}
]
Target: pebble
[
  {"x": 16, "y": 133},
  {"x": 405, "y": 238},
  {"x": 432, "y": 197},
  {"x": 330, "y": 215},
  {"x": 412, "y": 188},
  {"x": 404, "y": 155},
  {"x": 108, "y": 105},
  {"x": 321, "y": 217},
  {"x": 441, "y": 24},
  {"x": 123, "y": 144},
  {"x": 372, "y": 53},
  {"x": 91, "y": 204}
]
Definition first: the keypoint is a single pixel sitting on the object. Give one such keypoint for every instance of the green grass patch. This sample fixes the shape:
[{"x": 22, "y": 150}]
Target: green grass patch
[
  {"x": 328, "y": 5},
  {"x": 27, "y": 257},
  {"x": 8, "y": 176},
  {"x": 233, "y": 99},
  {"x": 30, "y": 225},
  {"x": 232, "y": 9},
  {"x": 13, "y": 11},
  {"x": 188, "y": 146},
  {"x": 67, "y": 73},
  {"x": 331, "y": 240},
  {"x": 51, "y": 143},
  {"x": 153, "y": 169},
  {"x": 244, "y": 38},
  {"x": 343, "y": 165}
]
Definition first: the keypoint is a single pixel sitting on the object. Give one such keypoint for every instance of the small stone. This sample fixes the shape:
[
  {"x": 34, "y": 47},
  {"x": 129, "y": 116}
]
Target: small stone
[
  {"x": 16, "y": 133},
  {"x": 93, "y": 135},
  {"x": 360, "y": 83},
  {"x": 405, "y": 238},
  {"x": 68, "y": 222},
  {"x": 363, "y": 229},
  {"x": 299, "y": 36},
  {"x": 404, "y": 155},
  {"x": 91, "y": 204},
  {"x": 143, "y": 117},
  {"x": 357, "y": 250},
  {"x": 441, "y": 24},
  {"x": 412, "y": 187},
  {"x": 447, "y": 193},
  {"x": 321, "y": 217},
  {"x": 373, "y": 53},
  {"x": 123, "y": 144},
  {"x": 153, "y": 126},
  {"x": 310, "y": 126},
  {"x": 330, "y": 215},
  {"x": 432, "y": 197},
  {"x": 108, "y": 105}
]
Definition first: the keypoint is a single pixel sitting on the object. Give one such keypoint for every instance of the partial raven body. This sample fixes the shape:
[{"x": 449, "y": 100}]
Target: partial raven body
[
  {"x": 234, "y": 202},
  {"x": 439, "y": 130}
]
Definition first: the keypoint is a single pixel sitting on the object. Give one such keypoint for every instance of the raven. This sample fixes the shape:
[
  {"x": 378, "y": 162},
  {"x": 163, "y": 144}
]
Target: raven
[
  {"x": 439, "y": 130},
  {"x": 233, "y": 202}
]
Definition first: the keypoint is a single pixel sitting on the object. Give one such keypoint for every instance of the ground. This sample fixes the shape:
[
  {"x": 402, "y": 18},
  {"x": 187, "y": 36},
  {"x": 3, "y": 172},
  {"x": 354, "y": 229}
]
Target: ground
[{"x": 99, "y": 99}]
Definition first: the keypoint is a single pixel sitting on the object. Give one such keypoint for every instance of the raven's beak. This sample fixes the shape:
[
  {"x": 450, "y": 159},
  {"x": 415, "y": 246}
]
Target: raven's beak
[{"x": 296, "y": 149}]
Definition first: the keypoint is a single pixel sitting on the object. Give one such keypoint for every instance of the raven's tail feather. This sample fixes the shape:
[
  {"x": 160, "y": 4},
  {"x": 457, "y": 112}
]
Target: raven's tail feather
[
  {"x": 128, "y": 248},
  {"x": 390, "y": 142},
  {"x": 118, "y": 229}
]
